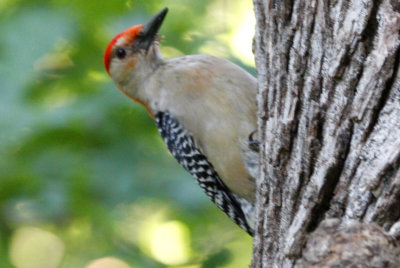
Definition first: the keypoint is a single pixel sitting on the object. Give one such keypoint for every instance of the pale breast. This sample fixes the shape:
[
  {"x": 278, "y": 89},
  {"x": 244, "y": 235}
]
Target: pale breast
[{"x": 216, "y": 102}]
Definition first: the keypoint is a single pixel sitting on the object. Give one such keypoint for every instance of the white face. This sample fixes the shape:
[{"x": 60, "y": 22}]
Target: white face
[
  {"x": 126, "y": 61},
  {"x": 123, "y": 61},
  {"x": 130, "y": 66}
]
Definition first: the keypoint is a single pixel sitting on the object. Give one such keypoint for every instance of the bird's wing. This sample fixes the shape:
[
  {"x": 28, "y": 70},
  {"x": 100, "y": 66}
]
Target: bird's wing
[{"x": 184, "y": 149}]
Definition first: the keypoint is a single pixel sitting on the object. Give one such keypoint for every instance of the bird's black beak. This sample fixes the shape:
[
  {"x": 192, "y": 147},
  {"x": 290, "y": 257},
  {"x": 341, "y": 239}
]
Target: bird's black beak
[{"x": 150, "y": 29}]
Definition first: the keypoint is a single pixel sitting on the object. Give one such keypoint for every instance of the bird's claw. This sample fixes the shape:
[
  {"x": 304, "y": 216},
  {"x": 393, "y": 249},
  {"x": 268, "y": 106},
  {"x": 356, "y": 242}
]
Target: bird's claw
[{"x": 253, "y": 144}]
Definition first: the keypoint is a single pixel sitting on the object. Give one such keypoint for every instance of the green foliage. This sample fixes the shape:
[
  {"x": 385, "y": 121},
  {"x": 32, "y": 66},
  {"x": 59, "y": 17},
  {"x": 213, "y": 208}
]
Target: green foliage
[{"x": 84, "y": 165}]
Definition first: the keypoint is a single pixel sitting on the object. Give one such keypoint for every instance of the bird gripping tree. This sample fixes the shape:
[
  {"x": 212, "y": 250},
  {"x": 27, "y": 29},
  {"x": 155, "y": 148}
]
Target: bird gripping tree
[{"x": 204, "y": 108}]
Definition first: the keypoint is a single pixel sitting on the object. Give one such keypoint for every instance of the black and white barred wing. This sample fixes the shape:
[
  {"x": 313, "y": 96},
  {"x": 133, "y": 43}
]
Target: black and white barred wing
[{"x": 184, "y": 149}]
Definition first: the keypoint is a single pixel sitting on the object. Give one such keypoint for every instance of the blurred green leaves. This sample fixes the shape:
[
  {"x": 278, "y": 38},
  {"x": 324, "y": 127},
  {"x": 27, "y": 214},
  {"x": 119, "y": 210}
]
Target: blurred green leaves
[{"x": 84, "y": 171}]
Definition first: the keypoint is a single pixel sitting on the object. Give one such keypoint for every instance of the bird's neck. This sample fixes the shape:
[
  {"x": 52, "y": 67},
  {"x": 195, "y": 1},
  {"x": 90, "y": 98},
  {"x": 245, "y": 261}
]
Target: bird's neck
[{"x": 138, "y": 81}]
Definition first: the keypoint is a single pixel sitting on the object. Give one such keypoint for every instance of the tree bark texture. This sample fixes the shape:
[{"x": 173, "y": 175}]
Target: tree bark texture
[{"x": 329, "y": 117}]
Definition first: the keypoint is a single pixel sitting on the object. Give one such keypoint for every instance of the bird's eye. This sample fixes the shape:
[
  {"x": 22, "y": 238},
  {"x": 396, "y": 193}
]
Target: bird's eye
[{"x": 121, "y": 53}]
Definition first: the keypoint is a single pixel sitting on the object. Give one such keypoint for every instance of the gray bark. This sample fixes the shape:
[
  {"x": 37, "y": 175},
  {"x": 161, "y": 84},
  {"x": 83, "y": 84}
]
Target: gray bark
[{"x": 329, "y": 117}]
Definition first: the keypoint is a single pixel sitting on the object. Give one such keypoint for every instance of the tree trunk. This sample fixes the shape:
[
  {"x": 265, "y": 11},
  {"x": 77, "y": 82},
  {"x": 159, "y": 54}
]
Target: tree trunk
[{"x": 329, "y": 117}]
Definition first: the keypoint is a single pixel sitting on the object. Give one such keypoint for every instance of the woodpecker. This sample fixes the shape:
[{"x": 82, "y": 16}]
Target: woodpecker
[{"x": 204, "y": 108}]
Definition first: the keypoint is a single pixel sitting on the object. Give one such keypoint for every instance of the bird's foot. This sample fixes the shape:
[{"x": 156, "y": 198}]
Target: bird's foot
[{"x": 253, "y": 144}]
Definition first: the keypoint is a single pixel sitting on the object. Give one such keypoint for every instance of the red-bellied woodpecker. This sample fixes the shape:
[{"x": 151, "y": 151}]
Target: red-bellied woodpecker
[{"x": 205, "y": 110}]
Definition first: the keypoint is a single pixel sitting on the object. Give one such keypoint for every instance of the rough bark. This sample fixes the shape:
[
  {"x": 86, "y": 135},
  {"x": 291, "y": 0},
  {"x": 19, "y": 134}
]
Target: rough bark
[{"x": 329, "y": 117}]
